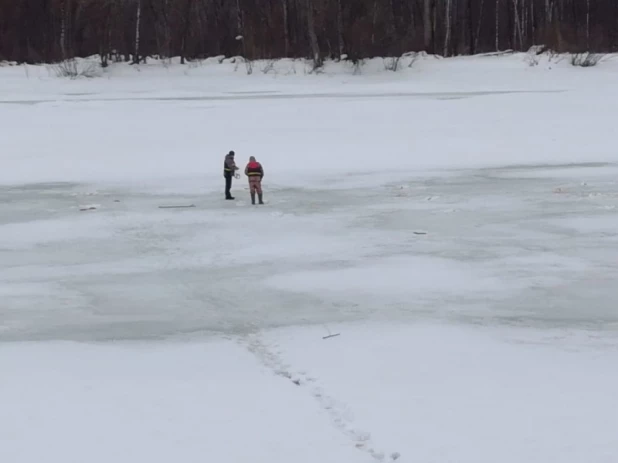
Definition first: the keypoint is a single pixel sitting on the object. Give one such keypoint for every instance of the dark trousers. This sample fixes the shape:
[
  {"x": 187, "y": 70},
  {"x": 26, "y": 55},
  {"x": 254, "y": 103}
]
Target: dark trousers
[{"x": 228, "y": 185}]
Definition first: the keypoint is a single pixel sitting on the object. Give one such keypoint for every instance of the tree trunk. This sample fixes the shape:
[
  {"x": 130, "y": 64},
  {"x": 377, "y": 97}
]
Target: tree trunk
[
  {"x": 392, "y": 26},
  {"x": 313, "y": 38},
  {"x": 340, "y": 28},
  {"x": 64, "y": 13},
  {"x": 240, "y": 28},
  {"x": 447, "y": 34},
  {"x": 518, "y": 27},
  {"x": 471, "y": 26},
  {"x": 427, "y": 25},
  {"x": 374, "y": 20},
  {"x": 239, "y": 22},
  {"x": 532, "y": 24},
  {"x": 286, "y": 27},
  {"x": 185, "y": 30},
  {"x": 478, "y": 28},
  {"x": 497, "y": 25},
  {"x": 588, "y": 25},
  {"x": 106, "y": 35},
  {"x": 138, "y": 19}
]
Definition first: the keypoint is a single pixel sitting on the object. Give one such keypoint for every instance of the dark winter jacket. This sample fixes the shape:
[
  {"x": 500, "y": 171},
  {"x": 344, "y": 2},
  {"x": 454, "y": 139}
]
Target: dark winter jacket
[
  {"x": 254, "y": 169},
  {"x": 229, "y": 165}
]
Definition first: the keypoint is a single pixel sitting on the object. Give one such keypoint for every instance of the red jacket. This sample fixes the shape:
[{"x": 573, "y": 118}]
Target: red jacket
[{"x": 254, "y": 169}]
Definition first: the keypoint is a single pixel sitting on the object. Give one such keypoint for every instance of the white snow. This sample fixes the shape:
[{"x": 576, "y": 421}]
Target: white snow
[
  {"x": 454, "y": 223},
  {"x": 425, "y": 393},
  {"x": 155, "y": 403}
]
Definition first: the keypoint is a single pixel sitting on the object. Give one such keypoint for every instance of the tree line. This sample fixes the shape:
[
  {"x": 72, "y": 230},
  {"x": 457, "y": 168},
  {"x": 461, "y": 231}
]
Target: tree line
[{"x": 37, "y": 31}]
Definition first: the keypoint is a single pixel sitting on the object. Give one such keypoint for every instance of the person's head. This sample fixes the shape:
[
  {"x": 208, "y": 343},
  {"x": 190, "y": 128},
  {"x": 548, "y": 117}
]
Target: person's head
[
  {"x": 252, "y": 159},
  {"x": 231, "y": 153}
]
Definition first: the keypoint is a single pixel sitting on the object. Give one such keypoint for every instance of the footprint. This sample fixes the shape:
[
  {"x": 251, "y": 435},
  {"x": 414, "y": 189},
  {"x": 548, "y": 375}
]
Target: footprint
[{"x": 339, "y": 413}]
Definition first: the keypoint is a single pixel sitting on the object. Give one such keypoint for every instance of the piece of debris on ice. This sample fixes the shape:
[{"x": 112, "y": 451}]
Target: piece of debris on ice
[
  {"x": 178, "y": 206},
  {"x": 89, "y": 207}
]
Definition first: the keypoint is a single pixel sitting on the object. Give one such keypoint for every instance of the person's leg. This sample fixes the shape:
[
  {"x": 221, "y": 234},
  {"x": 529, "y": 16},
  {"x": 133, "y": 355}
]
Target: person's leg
[
  {"x": 253, "y": 189},
  {"x": 228, "y": 186},
  {"x": 259, "y": 190}
]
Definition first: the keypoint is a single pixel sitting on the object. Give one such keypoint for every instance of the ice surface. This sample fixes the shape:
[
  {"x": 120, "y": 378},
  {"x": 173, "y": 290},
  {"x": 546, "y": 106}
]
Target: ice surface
[
  {"x": 455, "y": 223},
  {"x": 468, "y": 245}
]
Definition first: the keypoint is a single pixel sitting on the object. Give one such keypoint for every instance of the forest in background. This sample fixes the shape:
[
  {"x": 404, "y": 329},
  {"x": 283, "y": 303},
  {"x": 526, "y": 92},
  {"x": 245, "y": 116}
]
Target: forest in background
[{"x": 46, "y": 31}]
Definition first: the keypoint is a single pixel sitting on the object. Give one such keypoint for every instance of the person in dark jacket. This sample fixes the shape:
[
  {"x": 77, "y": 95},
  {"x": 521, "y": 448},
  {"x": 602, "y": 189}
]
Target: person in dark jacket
[
  {"x": 255, "y": 172},
  {"x": 229, "y": 169}
]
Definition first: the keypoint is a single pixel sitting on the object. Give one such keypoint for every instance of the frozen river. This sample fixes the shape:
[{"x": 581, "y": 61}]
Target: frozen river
[
  {"x": 455, "y": 223},
  {"x": 532, "y": 246}
]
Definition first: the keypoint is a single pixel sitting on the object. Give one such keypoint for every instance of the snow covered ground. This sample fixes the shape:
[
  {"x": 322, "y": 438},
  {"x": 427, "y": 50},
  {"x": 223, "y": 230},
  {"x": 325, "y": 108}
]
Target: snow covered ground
[{"x": 454, "y": 222}]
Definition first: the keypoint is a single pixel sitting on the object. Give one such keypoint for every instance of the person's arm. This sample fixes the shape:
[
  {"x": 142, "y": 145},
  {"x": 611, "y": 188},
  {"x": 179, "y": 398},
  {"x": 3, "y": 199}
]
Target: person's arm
[
  {"x": 231, "y": 164},
  {"x": 261, "y": 171}
]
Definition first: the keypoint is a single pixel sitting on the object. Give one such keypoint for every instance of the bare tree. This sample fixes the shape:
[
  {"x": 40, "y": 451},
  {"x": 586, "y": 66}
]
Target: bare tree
[
  {"x": 313, "y": 37},
  {"x": 65, "y": 8},
  {"x": 447, "y": 34},
  {"x": 478, "y": 28},
  {"x": 588, "y": 25},
  {"x": 427, "y": 29},
  {"x": 518, "y": 25},
  {"x": 471, "y": 26},
  {"x": 374, "y": 20},
  {"x": 186, "y": 25},
  {"x": 497, "y": 25},
  {"x": 340, "y": 28},
  {"x": 54, "y": 30},
  {"x": 286, "y": 27},
  {"x": 138, "y": 15}
]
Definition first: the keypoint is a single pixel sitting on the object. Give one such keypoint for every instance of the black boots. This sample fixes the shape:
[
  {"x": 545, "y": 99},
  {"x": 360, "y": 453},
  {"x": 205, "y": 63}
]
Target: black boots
[{"x": 259, "y": 197}]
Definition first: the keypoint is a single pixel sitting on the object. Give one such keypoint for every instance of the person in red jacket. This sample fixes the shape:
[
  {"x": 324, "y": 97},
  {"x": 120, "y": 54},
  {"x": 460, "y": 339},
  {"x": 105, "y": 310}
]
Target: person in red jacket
[{"x": 255, "y": 172}]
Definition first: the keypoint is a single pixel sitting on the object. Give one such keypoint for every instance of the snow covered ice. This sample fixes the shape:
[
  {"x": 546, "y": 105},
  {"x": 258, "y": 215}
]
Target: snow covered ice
[{"x": 454, "y": 222}]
